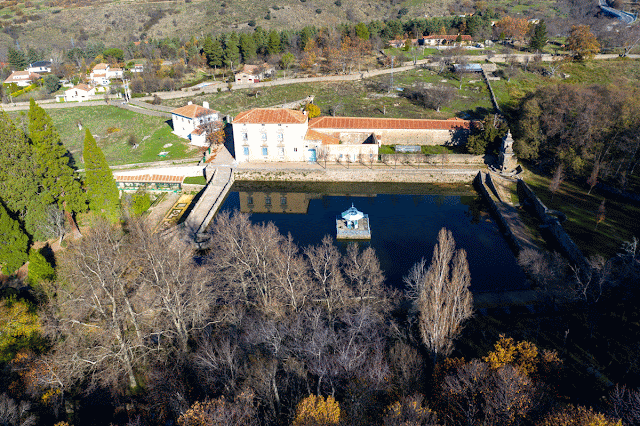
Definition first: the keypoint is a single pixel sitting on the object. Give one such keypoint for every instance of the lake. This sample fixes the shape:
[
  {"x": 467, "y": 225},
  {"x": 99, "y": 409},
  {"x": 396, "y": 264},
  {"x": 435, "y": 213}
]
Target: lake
[{"x": 405, "y": 220}]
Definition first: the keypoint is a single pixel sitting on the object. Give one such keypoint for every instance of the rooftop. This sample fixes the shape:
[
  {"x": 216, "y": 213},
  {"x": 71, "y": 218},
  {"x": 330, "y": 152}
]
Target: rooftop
[
  {"x": 22, "y": 76},
  {"x": 326, "y": 122},
  {"x": 41, "y": 64},
  {"x": 150, "y": 178},
  {"x": 326, "y": 139},
  {"x": 271, "y": 116},
  {"x": 464, "y": 37},
  {"x": 193, "y": 111},
  {"x": 81, "y": 86}
]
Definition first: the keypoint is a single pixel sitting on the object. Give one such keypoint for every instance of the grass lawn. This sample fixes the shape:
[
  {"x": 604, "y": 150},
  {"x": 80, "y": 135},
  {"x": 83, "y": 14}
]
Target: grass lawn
[
  {"x": 112, "y": 128},
  {"x": 620, "y": 224},
  {"x": 357, "y": 98}
]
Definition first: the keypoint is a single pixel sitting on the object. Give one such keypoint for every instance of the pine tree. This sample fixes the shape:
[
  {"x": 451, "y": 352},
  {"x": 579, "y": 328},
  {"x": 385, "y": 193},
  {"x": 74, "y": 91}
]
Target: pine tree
[
  {"x": 247, "y": 48},
  {"x": 213, "y": 52},
  {"x": 101, "y": 187},
  {"x": 231, "y": 50},
  {"x": 16, "y": 59},
  {"x": 14, "y": 243},
  {"x": 274, "y": 45},
  {"x": 59, "y": 179},
  {"x": 260, "y": 40},
  {"x": 539, "y": 37}
]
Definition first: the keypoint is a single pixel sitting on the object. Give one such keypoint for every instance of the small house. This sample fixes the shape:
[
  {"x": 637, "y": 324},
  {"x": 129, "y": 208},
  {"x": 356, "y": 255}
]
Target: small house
[
  {"x": 102, "y": 74},
  {"x": 193, "y": 122},
  {"x": 79, "y": 93},
  {"x": 40, "y": 67},
  {"x": 254, "y": 73},
  {"x": 441, "y": 39},
  {"x": 22, "y": 78}
]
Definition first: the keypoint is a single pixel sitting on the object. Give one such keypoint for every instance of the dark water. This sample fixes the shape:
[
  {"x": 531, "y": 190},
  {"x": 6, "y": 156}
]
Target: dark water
[{"x": 405, "y": 220}]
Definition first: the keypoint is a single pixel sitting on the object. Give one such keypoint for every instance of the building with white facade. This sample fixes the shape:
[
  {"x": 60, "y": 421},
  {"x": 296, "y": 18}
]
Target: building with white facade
[
  {"x": 272, "y": 134},
  {"x": 22, "y": 78},
  {"x": 193, "y": 122},
  {"x": 102, "y": 74},
  {"x": 40, "y": 67},
  {"x": 276, "y": 134},
  {"x": 79, "y": 93}
]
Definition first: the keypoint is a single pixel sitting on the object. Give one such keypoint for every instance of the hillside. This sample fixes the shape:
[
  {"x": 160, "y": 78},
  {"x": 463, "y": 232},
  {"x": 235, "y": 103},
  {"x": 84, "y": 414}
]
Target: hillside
[{"x": 61, "y": 23}]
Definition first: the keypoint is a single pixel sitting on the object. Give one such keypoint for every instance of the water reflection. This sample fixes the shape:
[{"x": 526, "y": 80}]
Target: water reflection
[{"x": 404, "y": 224}]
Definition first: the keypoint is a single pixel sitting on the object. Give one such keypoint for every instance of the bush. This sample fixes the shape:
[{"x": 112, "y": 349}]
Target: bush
[
  {"x": 318, "y": 11},
  {"x": 113, "y": 130},
  {"x": 140, "y": 203},
  {"x": 39, "y": 268},
  {"x": 338, "y": 3},
  {"x": 252, "y": 23}
]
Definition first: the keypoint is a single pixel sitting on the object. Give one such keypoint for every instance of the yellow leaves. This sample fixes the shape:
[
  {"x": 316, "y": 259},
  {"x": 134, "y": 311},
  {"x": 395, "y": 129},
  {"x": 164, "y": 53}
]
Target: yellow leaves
[
  {"x": 579, "y": 416},
  {"x": 582, "y": 42},
  {"x": 49, "y": 395},
  {"x": 18, "y": 323},
  {"x": 522, "y": 355},
  {"x": 316, "y": 410}
]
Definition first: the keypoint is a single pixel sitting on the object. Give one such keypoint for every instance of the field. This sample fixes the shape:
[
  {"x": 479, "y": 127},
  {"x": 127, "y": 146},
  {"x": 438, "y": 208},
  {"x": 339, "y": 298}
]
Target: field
[
  {"x": 113, "y": 127},
  {"x": 358, "y": 98}
]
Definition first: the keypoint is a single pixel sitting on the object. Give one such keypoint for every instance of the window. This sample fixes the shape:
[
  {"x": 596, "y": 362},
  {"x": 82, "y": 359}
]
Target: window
[
  {"x": 280, "y": 137},
  {"x": 263, "y": 136},
  {"x": 245, "y": 150},
  {"x": 265, "y": 151},
  {"x": 281, "y": 151},
  {"x": 249, "y": 200},
  {"x": 245, "y": 136},
  {"x": 283, "y": 200},
  {"x": 295, "y": 149},
  {"x": 267, "y": 200}
]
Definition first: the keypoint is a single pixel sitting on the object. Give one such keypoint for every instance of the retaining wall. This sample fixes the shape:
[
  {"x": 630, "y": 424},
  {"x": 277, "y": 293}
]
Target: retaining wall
[
  {"x": 559, "y": 235},
  {"x": 358, "y": 175}
]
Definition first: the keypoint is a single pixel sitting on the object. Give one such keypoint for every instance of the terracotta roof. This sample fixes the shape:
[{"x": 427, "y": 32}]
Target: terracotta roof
[
  {"x": 271, "y": 116},
  {"x": 150, "y": 178},
  {"x": 98, "y": 74},
  {"x": 101, "y": 66},
  {"x": 252, "y": 69},
  {"x": 22, "y": 76},
  {"x": 386, "y": 123},
  {"x": 81, "y": 86},
  {"x": 193, "y": 111},
  {"x": 312, "y": 135},
  {"x": 449, "y": 37}
]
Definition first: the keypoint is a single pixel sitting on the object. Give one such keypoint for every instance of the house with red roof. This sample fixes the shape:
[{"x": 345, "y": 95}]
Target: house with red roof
[
  {"x": 22, "y": 78},
  {"x": 277, "y": 134},
  {"x": 439, "y": 39},
  {"x": 194, "y": 122},
  {"x": 79, "y": 93}
]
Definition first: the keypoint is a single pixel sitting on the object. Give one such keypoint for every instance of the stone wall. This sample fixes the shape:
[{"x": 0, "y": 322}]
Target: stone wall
[
  {"x": 551, "y": 223},
  {"x": 440, "y": 159},
  {"x": 358, "y": 175}
]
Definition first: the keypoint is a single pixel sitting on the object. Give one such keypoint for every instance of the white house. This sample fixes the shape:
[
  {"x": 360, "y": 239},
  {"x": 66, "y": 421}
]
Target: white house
[
  {"x": 40, "y": 67},
  {"x": 438, "y": 39},
  {"x": 137, "y": 68},
  {"x": 194, "y": 121},
  {"x": 102, "y": 74},
  {"x": 22, "y": 78},
  {"x": 79, "y": 93},
  {"x": 272, "y": 134},
  {"x": 254, "y": 73}
]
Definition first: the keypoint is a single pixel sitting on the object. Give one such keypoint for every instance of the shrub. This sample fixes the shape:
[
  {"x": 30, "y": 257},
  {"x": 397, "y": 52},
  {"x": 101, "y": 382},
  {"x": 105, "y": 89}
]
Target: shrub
[
  {"x": 252, "y": 23},
  {"x": 140, "y": 203},
  {"x": 318, "y": 11},
  {"x": 112, "y": 130},
  {"x": 338, "y": 3},
  {"x": 39, "y": 268}
]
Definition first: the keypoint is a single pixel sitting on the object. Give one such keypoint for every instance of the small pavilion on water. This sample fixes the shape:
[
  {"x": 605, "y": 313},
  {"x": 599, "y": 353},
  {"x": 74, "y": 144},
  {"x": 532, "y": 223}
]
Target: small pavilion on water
[{"x": 353, "y": 225}]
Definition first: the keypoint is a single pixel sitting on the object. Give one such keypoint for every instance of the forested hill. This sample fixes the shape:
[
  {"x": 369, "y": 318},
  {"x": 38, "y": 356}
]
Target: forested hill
[{"x": 63, "y": 24}]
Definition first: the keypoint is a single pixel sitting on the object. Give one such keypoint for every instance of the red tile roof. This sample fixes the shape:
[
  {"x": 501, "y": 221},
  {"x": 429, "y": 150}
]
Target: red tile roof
[
  {"x": 150, "y": 178},
  {"x": 271, "y": 116},
  {"x": 312, "y": 135},
  {"x": 101, "y": 66},
  {"x": 81, "y": 86},
  {"x": 193, "y": 111},
  {"x": 387, "y": 123},
  {"x": 21, "y": 76},
  {"x": 452, "y": 37}
]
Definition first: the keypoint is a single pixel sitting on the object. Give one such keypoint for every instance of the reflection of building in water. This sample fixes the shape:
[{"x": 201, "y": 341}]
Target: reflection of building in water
[
  {"x": 282, "y": 202},
  {"x": 275, "y": 202}
]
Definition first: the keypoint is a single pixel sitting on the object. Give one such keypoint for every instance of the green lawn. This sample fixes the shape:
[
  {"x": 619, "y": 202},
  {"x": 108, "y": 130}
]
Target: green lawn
[
  {"x": 357, "y": 98},
  {"x": 112, "y": 128},
  {"x": 620, "y": 224}
]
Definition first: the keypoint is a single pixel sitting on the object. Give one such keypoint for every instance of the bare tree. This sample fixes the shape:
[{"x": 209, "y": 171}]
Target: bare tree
[
  {"x": 441, "y": 295},
  {"x": 54, "y": 224},
  {"x": 14, "y": 413},
  {"x": 625, "y": 404},
  {"x": 324, "y": 262}
]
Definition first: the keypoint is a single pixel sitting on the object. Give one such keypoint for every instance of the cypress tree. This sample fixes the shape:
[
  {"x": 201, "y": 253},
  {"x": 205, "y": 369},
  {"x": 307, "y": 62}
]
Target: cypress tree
[
  {"x": 39, "y": 268},
  {"x": 101, "y": 187},
  {"x": 14, "y": 243},
  {"x": 59, "y": 179}
]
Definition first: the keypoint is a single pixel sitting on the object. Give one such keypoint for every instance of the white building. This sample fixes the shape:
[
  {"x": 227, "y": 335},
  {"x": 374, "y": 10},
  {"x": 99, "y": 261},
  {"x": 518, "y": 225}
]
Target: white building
[
  {"x": 22, "y": 78},
  {"x": 254, "y": 73},
  {"x": 40, "y": 67},
  {"x": 272, "y": 134},
  {"x": 79, "y": 93},
  {"x": 102, "y": 74},
  {"x": 194, "y": 121}
]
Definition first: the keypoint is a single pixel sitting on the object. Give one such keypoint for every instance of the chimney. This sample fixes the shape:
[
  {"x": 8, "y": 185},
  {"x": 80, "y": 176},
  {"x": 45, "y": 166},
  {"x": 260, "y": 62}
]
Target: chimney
[
  {"x": 189, "y": 103},
  {"x": 205, "y": 104}
]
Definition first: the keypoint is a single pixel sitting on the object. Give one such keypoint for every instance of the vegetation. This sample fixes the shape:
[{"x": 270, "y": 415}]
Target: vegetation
[{"x": 102, "y": 191}]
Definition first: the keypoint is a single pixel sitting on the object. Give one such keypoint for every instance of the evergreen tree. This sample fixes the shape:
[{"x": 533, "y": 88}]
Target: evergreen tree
[
  {"x": 39, "y": 268},
  {"x": 33, "y": 55},
  {"x": 16, "y": 59},
  {"x": 539, "y": 37},
  {"x": 213, "y": 51},
  {"x": 247, "y": 48},
  {"x": 362, "y": 31},
  {"x": 59, "y": 180},
  {"x": 101, "y": 187},
  {"x": 260, "y": 39},
  {"x": 275, "y": 45},
  {"x": 231, "y": 50},
  {"x": 14, "y": 243},
  {"x": 19, "y": 181}
]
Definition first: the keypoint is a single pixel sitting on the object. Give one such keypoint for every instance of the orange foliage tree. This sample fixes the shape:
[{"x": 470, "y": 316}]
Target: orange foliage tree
[
  {"x": 513, "y": 28},
  {"x": 317, "y": 411},
  {"x": 582, "y": 42},
  {"x": 579, "y": 416}
]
